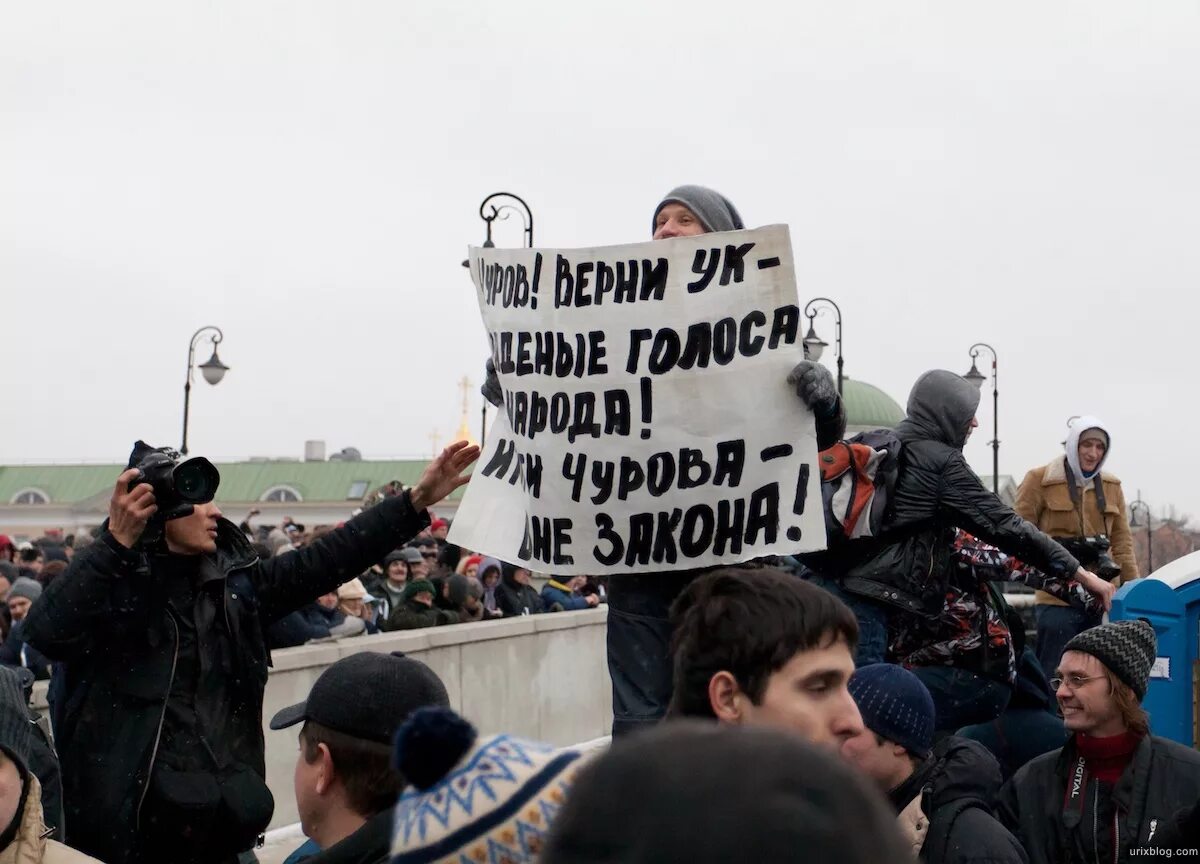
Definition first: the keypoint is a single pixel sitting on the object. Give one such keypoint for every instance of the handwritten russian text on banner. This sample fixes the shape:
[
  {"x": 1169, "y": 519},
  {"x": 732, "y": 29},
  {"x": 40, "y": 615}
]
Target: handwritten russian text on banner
[{"x": 647, "y": 422}]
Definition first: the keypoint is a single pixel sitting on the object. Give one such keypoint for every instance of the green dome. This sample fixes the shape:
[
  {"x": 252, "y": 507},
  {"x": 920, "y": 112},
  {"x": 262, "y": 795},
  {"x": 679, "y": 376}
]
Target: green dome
[{"x": 868, "y": 407}]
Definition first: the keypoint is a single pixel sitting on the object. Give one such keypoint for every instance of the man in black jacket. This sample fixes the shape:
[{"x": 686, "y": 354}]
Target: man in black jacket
[
  {"x": 943, "y": 795},
  {"x": 908, "y": 567},
  {"x": 1106, "y": 794},
  {"x": 165, "y": 661}
]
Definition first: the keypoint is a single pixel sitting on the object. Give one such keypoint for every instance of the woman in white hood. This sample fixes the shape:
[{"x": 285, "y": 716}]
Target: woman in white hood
[{"x": 1074, "y": 497}]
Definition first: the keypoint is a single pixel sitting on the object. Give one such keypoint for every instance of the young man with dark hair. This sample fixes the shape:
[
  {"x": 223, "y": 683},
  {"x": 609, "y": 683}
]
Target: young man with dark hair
[
  {"x": 761, "y": 647},
  {"x": 943, "y": 794},
  {"x": 1107, "y": 792},
  {"x": 345, "y": 784}
]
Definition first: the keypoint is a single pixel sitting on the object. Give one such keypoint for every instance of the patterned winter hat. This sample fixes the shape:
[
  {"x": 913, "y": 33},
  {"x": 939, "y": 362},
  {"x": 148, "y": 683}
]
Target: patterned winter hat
[
  {"x": 895, "y": 704},
  {"x": 487, "y": 801},
  {"x": 1128, "y": 648}
]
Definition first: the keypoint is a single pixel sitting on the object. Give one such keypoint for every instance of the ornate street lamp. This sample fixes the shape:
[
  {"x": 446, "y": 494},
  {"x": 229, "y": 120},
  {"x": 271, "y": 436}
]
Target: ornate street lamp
[
  {"x": 500, "y": 205},
  {"x": 814, "y": 345},
  {"x": 212, "y": 369},
  {"x": 977, "y": 378}
]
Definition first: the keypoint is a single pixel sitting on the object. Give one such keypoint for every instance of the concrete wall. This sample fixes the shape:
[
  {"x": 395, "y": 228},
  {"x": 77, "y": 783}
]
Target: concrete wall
[{"x": 543, "y": 677}]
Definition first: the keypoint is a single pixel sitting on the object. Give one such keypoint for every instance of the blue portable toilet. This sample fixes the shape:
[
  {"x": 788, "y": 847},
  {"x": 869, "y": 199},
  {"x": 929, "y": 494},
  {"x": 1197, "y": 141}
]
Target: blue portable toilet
[{"x": 1170, "y": 599}]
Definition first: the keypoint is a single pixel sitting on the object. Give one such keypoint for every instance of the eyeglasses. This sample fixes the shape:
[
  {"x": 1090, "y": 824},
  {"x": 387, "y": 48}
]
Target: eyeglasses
[
  {"x": 429, "y": 554},
  {"x": 1073, "y": 681}
]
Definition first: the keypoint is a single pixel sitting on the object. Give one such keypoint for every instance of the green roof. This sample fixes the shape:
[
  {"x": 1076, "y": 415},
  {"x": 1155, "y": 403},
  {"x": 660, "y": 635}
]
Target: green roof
[
  {"x": 867, "y": 405},
  {"x": 240, "y": 481}
]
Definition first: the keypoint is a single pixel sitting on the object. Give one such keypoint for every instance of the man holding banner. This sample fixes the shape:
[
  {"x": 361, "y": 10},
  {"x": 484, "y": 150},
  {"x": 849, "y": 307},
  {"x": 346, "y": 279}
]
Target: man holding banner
[{"x": 697, "y": 340}]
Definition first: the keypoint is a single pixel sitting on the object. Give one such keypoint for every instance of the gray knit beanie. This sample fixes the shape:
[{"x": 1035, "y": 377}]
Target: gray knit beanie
[
  {"x": 25, "y": 587},
  {"x": 714, "y": 210},
  {"x": 1127, "y": 648}
]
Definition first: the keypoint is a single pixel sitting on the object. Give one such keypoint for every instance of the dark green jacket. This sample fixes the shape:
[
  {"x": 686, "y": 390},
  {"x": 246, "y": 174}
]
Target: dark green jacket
[{"x": 411, "y": 615}]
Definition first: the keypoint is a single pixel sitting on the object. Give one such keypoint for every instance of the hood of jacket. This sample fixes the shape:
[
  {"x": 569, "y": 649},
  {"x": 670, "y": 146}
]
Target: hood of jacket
[
  {"x": 508, "y": 575},
  {"x": 488, "y": 564},
  {"x": 1074, "y": 432},
  {"x": 32, "y": 845},
  {"x": 940, "y": 408},
  {"x": 965, "y": 769}
]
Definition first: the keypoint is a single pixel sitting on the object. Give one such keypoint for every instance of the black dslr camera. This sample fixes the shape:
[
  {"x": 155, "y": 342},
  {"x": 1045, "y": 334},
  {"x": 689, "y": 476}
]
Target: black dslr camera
[
  {"x": 1092, "y": 553},
  {"x": 178, "y": 485}
]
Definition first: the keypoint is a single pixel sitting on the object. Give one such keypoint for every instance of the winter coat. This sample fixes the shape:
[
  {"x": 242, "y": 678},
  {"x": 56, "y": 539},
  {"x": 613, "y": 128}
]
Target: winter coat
[
  {"x": 957, "y": 798},
  {"x": 15, "y": 652},
  {"x": 555, "y": 592},
  {"x": 1182, "y": 831},
  {"x": 908, "y": 565},
  {"x": 512, "y": 598},
  {"x": 31, "y": 844},
  {"x": 389, "y": 600},
  {"x": 1055, "y": 814},
  {"x": 370, "y": 844},
  {"x": 1045, "y": 500},
  {"x": 295, "y": 629},
  {"x": 1028, "y": 727},
  {"x": 973, "y": 630},
  {"x": 108, "y": 618},
  {"x": 411, "y": 615}
]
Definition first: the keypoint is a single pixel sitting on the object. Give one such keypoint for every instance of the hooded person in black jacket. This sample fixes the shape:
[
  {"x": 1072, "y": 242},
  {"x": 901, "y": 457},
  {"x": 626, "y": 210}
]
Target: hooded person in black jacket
[
  {"x": 165, "y": 661},
  {"x": 908, "y": 567},
  {"x": 515, "y": 595}
]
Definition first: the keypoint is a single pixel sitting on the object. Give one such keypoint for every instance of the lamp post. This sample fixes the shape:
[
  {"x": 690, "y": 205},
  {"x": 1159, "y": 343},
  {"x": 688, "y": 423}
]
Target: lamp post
[
  {"x": 499, "y": 205},
  {"x": 814, "y": 345},
  {"x": 212, "y": 369},
  {"x": 976, "y": 377},
  {"x": 1137, "y": 504}
]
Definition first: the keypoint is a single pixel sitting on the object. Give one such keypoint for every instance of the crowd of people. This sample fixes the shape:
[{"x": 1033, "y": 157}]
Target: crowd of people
[
  {"x": 876, "y": 701},
  {"x": 427, "y": 582}
]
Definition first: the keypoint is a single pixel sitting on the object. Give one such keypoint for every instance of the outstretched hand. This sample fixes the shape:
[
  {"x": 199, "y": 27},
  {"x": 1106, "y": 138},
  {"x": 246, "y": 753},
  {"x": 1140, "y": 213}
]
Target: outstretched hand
[
  {"x": 1097, "y": 587},
  {"x": 443, "y": 475}
]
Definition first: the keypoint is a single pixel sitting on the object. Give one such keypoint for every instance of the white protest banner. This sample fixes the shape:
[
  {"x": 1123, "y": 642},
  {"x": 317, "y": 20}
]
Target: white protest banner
[{"x": 648, "y": 424}]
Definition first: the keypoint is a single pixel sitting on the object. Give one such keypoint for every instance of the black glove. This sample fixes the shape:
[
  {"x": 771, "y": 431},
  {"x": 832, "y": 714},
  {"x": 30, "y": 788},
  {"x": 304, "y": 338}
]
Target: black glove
[
  {"x": 815, "y": 387},
  {"x": 491, "y": 386}
]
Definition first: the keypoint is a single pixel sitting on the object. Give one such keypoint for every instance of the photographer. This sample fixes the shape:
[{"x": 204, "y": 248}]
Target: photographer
[
  {"x": 158, "y": 630},
  {"x": 1083, "y": 508}
]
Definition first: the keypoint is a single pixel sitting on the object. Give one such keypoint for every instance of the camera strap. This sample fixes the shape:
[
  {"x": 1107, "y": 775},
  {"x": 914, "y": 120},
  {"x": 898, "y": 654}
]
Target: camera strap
[{"x": 1076, "y": 499}]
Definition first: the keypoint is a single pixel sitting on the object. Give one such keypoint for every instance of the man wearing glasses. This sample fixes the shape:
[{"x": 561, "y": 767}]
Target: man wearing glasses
[{"x": 1106, "y": 794}]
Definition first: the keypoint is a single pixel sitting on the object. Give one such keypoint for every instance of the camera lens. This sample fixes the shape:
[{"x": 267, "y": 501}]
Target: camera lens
[{"x": 196, "y": 481}]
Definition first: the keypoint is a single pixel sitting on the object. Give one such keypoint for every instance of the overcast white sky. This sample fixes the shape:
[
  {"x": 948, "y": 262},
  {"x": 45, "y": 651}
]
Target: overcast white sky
[{"x": 307, "y": 176}]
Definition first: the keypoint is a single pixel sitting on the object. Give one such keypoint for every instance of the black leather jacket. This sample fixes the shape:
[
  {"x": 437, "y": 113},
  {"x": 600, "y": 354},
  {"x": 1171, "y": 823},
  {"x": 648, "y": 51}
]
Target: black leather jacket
[{"x": 936, "y": 492}]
